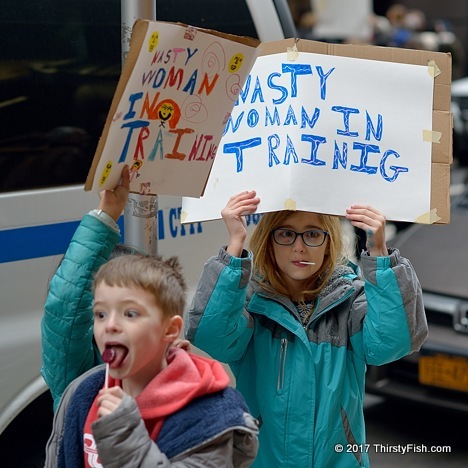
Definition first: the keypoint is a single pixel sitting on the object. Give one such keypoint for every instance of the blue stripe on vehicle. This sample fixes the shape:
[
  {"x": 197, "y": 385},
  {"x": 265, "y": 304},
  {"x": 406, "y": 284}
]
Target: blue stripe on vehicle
[{"x": 37, "y": 241}]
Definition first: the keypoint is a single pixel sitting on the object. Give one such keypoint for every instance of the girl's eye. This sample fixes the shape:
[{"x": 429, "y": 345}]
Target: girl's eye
[
  {"x": 286, "y": 234},
  {"x": 312, "y": 234}
]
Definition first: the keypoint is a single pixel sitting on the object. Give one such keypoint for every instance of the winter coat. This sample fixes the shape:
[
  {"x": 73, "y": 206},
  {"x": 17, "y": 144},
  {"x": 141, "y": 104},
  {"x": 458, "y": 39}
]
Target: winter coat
[
  {"x": 68, "y": 348},
  {"x": 306, "y": 384},
  {"x": 205, "y": 423}
]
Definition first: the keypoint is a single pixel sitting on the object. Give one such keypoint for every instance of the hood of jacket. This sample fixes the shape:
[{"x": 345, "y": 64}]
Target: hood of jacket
[{"x": 188, "y": 376}]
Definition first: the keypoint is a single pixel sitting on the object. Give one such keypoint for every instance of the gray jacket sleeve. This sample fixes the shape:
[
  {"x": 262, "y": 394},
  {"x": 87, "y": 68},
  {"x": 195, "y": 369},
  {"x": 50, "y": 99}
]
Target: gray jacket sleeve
[
  {"x": 395, "y": 324},
  {"x": 123, "y": 442}
]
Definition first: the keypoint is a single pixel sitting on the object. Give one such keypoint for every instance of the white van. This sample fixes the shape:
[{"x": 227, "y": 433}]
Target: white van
[{"x": 59, "y": 65}]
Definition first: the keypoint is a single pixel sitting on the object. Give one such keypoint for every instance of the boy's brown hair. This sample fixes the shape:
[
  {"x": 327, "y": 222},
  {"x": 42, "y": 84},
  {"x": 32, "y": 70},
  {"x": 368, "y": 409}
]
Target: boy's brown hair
[{"x": 162, "y": 278}]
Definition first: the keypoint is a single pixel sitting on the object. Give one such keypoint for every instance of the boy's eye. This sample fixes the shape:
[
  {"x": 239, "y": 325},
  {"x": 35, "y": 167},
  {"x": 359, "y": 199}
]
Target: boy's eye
[
  {"x": 99, "y": 314},
  {"x": 131, "y": 313}
]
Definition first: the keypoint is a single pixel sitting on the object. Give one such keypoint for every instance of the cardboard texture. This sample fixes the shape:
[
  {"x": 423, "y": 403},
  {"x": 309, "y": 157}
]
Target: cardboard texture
[
  {"x": 177, "y": 88},
  {"x": 440, "y": 67}
]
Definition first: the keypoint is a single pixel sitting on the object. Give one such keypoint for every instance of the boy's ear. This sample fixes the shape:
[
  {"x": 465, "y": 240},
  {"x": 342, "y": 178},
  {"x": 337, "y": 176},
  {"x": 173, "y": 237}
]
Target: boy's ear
[{"x": 174, "y": 327}]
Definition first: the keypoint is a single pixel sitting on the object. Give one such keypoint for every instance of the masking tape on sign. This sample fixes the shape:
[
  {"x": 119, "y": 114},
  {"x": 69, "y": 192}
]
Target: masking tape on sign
[
  {"x": 430, "y": 217},
  {"x": 433, "y": 69},
  {"x": 290, "y": 204},
  {"x": 432, "y": 136}
]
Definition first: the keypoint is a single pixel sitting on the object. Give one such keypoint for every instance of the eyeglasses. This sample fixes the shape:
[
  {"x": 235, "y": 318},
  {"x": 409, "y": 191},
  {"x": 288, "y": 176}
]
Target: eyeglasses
[{"x": 312, "y": 238}]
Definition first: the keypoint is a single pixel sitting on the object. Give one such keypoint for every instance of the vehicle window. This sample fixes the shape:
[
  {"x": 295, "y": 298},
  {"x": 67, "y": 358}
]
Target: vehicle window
[{"x": 59, "y": 66}]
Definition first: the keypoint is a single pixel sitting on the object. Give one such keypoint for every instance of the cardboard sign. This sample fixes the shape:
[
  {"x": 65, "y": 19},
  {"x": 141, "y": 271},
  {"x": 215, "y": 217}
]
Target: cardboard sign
[
  {"x": 177, "y": 89},
  {"x": 327, "y": 126}
]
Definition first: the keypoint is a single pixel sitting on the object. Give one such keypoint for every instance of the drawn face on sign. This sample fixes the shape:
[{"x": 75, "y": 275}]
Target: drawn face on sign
[
  {"x": 136, "y": 166},
  {"x": 153, "y": 41},
  {"x": 166, "y": 111},
  {"x": 236, "y": 62},
  {"x": 105, "y": 173}
]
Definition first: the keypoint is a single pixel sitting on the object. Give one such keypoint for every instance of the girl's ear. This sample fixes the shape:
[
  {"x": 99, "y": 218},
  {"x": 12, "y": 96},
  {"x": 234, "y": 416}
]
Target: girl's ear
[{"x": 174, "y": 327}]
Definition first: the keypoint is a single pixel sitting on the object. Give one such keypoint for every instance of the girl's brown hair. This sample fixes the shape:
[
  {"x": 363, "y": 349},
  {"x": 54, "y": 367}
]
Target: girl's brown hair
[
  {"x": 162, "y": 278},
  {"x": 266, "y": 268}
]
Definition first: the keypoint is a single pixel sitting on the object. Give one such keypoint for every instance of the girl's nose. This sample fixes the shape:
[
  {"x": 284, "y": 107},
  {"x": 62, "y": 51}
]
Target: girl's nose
[{"x": 298, "y": 245}]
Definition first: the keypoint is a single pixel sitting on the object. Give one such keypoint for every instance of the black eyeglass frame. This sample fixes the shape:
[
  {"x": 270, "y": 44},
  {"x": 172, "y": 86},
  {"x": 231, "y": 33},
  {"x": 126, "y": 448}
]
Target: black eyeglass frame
[{"x": 296, "y": 234}]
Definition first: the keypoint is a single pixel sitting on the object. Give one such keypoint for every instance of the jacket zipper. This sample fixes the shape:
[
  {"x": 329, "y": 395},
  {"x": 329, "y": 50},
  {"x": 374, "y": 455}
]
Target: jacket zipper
[
  {"x": 334, "y": 304},
  {"x": 282, "y": 363}
]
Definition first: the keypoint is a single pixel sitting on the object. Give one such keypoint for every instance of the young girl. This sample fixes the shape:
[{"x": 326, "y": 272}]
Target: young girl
[{"x": 298, "y": 324}]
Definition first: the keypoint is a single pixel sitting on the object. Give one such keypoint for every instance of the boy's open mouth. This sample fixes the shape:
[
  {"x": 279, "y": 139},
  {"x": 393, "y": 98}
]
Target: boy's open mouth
[{"x": 114, "y": 355}]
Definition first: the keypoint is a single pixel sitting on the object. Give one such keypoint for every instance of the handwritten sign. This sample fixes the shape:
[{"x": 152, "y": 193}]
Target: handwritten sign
[
  {"x": 171, "y": 106},
  {"x": 320, "y": 132}
]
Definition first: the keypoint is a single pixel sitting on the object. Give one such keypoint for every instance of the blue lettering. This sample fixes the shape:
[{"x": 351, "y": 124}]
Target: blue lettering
[
  {"x": 173, "y": 221},
  {"x": 159, "y": 78},
  {"x": 365, "y": 150},
  {"x": 377, "y": 132},
  {"x": 161, "y": 233},
  {"x": 340, "y": 158},
  {"x": 257, "y": 92},
  {"x": 290, "y": 117},
  {"x": 323, "y": 81},
  {"x": 238, "y": 147},
  {"x": 315, "y": 141},
  {"x": 281, "y": 89},
  {"x": 131, "y": 126},
  {"x": 174, "y": 225},
  {"x": 296, "y": 69},
  {"x": 132, "y": 98},
  {"x": 252, "y": 219},
  {"x": 252, "y": 118},
  {"x": 273, "y": 144},
  {"x": 346, "y": 111},
  {"x": 310, "y": 121},
  {"x": 290, "y": 151},
  {"x": 189, "y": 55},
  {"x": 190, "y": 86},
  {"x": 235, "y": 126},
  {"x": 396, "y": 169},
  {"x": 158, "y": 146},
  {"x": 272, "y": 120}
]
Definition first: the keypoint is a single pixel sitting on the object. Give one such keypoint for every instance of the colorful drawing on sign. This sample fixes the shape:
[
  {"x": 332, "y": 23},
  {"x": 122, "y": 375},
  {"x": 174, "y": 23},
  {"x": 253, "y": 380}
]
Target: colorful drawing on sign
[
  {"x": 323, "y": 132},
  {"x": 170, "y": 108}
]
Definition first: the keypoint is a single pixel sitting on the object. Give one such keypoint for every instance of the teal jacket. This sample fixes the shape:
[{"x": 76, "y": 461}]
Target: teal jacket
[
  {"x": 306, "y": 384},
  {"x": 68, "y": 348}
]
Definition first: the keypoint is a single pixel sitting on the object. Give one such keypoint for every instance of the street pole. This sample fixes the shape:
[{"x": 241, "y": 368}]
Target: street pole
[{"x": 141, "y": 211}]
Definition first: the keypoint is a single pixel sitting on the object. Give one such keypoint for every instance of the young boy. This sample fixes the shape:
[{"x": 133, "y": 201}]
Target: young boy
[{"x": 159, "y": 405}]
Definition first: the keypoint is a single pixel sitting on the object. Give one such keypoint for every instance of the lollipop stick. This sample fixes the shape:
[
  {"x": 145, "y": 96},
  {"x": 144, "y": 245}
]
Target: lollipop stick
[
  {"x": 106, "y": 382},
  {"x": 108, "y": 356}
]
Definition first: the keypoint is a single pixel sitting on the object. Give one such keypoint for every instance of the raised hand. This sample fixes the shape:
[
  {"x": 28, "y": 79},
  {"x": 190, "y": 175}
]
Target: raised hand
[
  {"x": 233, "y": 214},
  {"x": 113, "y": 201},
  {"x": 372, "y": 222}
]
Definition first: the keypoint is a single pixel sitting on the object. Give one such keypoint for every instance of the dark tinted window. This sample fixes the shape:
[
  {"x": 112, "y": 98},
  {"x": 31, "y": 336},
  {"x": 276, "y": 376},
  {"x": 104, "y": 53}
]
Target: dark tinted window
[{"x": 59, "y": 65}]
